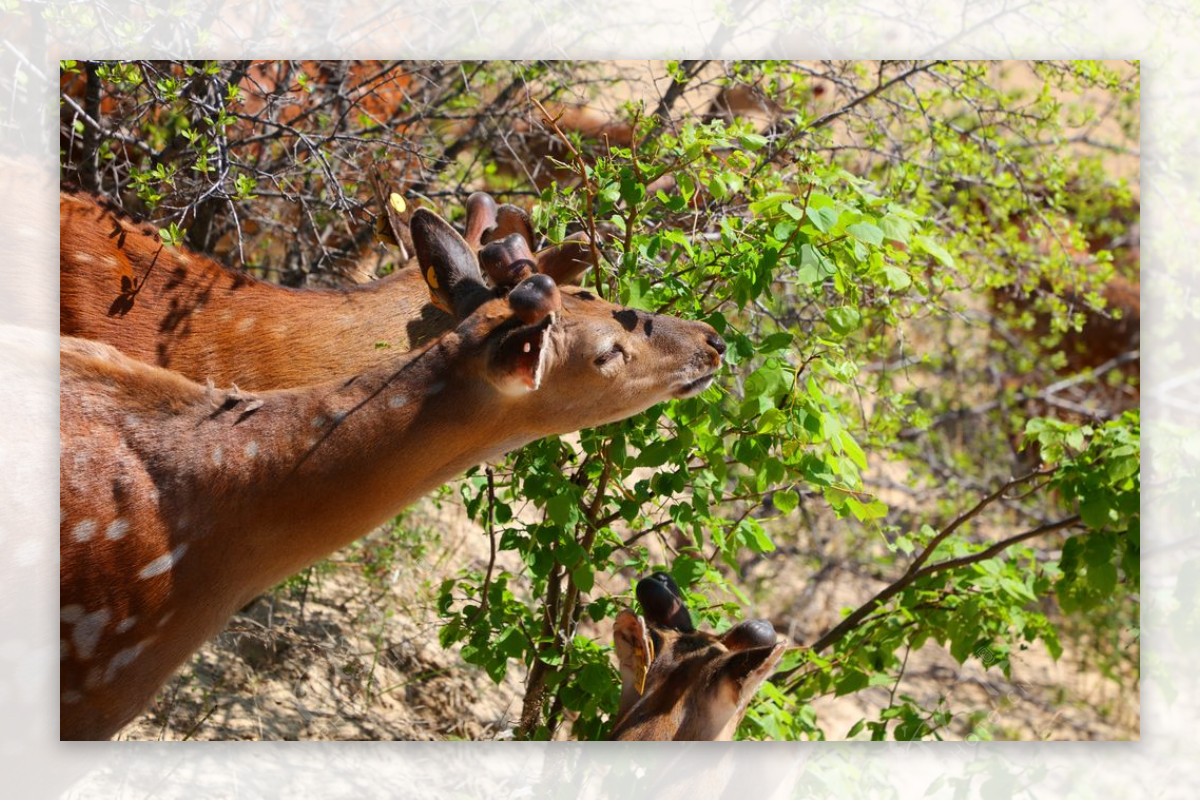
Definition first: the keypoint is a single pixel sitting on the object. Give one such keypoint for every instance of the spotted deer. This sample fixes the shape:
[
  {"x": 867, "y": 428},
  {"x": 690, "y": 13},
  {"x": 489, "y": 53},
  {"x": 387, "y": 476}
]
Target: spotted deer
[
  {"x": 678, "y": 683},
  {"x": 181, "y": 502},
  {"x": 178, "y": 309}
]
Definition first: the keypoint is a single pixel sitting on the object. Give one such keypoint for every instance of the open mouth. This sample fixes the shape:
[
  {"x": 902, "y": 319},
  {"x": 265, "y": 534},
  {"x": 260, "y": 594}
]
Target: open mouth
[
  {"x": 524, "y": 350},
  {"x": 693, "y": 388}
]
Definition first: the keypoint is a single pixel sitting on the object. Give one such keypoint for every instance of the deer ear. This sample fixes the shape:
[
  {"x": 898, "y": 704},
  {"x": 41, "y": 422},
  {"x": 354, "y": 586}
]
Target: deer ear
[
  {"x": 567, "y": 262},
  {"x": 481, "y": 218},
  {"x": 447, "y": 264},
  {"x": 749, "y": 668},
  {"x": 631, "y": 641},
  {"x": 391, "y": 226}
]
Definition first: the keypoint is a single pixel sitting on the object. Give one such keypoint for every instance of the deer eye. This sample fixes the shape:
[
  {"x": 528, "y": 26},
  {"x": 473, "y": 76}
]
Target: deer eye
[{"x": 611, "y": 355}]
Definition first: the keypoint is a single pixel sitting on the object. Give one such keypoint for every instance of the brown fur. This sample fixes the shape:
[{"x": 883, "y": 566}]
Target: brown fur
[
  {"x": 214, "y": 495},
  {"x": 697, "y": 684},
  {"x": 121, "y": 285},
  {"x": 178, "y": 309}
]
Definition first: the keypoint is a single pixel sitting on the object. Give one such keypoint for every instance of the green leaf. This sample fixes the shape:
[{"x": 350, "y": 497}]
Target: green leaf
[
  {"x": 785, "y": 501},
  {"x": 935, "y": 250},
  {"x": 562, "y": 510},
  {"x": 843, "y": 319},
  {"x": 752, "y": 141},
  {"x": 867, "y": 233},
  {"x": 850, "y": 682},
  {"x": 824, "y": 218},
  {"x": 897, "y": 279}
]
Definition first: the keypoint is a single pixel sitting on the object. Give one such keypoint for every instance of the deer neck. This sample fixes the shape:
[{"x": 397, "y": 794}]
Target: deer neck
[{"x": 310, "y": 470}]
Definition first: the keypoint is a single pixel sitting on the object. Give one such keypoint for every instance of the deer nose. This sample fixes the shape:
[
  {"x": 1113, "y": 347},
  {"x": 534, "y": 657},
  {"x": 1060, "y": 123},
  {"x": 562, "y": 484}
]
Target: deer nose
[{"x": 716, "y": 343}]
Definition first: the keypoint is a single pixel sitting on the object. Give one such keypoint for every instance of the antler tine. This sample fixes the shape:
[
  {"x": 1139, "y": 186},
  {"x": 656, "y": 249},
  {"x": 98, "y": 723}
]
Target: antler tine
[
  {"x": 507, "y": 261},
  {"x": 567, "y": 261},
  {"x": 535, "y": 298},
  {"x": 510, "y": 220},
  {"x": 481, "y": 218}
]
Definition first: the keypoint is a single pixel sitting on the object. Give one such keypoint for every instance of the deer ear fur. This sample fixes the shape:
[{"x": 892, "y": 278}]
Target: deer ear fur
[
  {"x": 631, "y": 641},
  {"x": 448, "y": 264}
]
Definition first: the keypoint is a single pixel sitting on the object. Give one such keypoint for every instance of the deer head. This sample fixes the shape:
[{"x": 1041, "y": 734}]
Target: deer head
[
  {"x": 678, "y": 683},
  {"x": 182, "y": 502}
]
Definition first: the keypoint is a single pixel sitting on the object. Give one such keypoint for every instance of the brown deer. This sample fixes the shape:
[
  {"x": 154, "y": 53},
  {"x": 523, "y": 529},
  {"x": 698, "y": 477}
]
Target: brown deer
[
  {"x": 180, "y": 502},
  {"x": 171, "y": 307},
  {"x": 678, "y": 683}
]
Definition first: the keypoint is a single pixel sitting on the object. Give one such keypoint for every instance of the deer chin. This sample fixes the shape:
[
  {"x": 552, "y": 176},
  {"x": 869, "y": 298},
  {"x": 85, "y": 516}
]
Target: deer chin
[{"x": 692, "y": 388}]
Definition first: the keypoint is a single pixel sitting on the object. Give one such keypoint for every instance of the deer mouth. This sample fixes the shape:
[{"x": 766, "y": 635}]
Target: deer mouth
[
  {"x": 695, "y": 387},
  {"x": 523, "y": 352}
]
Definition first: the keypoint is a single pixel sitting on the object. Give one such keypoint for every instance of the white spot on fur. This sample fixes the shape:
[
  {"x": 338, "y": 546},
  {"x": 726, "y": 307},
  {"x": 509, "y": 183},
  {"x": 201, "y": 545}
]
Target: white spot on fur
[
  {"x": 251, "y": 449},
  {"x": 318, "y": 422},
  {"x": 126, "y": 624},
  {"x": 88, "y": 630},
  {"x": 70, "y": 613},
  {"x": 83, "y": 258},
  {"x": 117, "y": 529},
  {"x": 111, "y": 262},
  {"x": 165, "y": 619},
  {"x": 396, "y": 401},
  {"x": 163, "y": 563},
  {"x": 218, "y": 455},
  {"x": 84, "y": 530},
  {"x": 246, "y": 324},
  {"x": 123, "y": 658},
  {"x": 338, "y": 417}
]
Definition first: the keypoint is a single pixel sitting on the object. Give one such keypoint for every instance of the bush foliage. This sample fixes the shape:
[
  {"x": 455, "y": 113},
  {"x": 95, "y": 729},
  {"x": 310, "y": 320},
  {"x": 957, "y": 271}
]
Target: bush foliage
[{"x": 911, "y": 262}]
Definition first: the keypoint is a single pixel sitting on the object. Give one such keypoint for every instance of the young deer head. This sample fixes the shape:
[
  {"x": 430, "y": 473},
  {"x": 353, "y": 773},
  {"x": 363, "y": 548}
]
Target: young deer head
[
  {"x": 168, "y": 306},
  {"x": 181, "y": 502},
  {"x": 681, "y": 684}
]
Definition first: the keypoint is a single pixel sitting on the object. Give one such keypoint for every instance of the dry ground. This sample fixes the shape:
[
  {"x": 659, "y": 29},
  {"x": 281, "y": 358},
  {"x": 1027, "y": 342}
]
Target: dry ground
[{"x": 353, "y": 657}]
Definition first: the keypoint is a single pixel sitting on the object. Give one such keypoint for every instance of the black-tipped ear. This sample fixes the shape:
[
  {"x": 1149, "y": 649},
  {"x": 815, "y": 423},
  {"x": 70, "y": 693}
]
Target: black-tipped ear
[
  {"x": 566, "y": 263},
  {"x": 662, "y": 601},
  {"x": 510, "y": 220},
  {"x": 448, "y": 265},
  {"x": 481, "y": 218}
]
